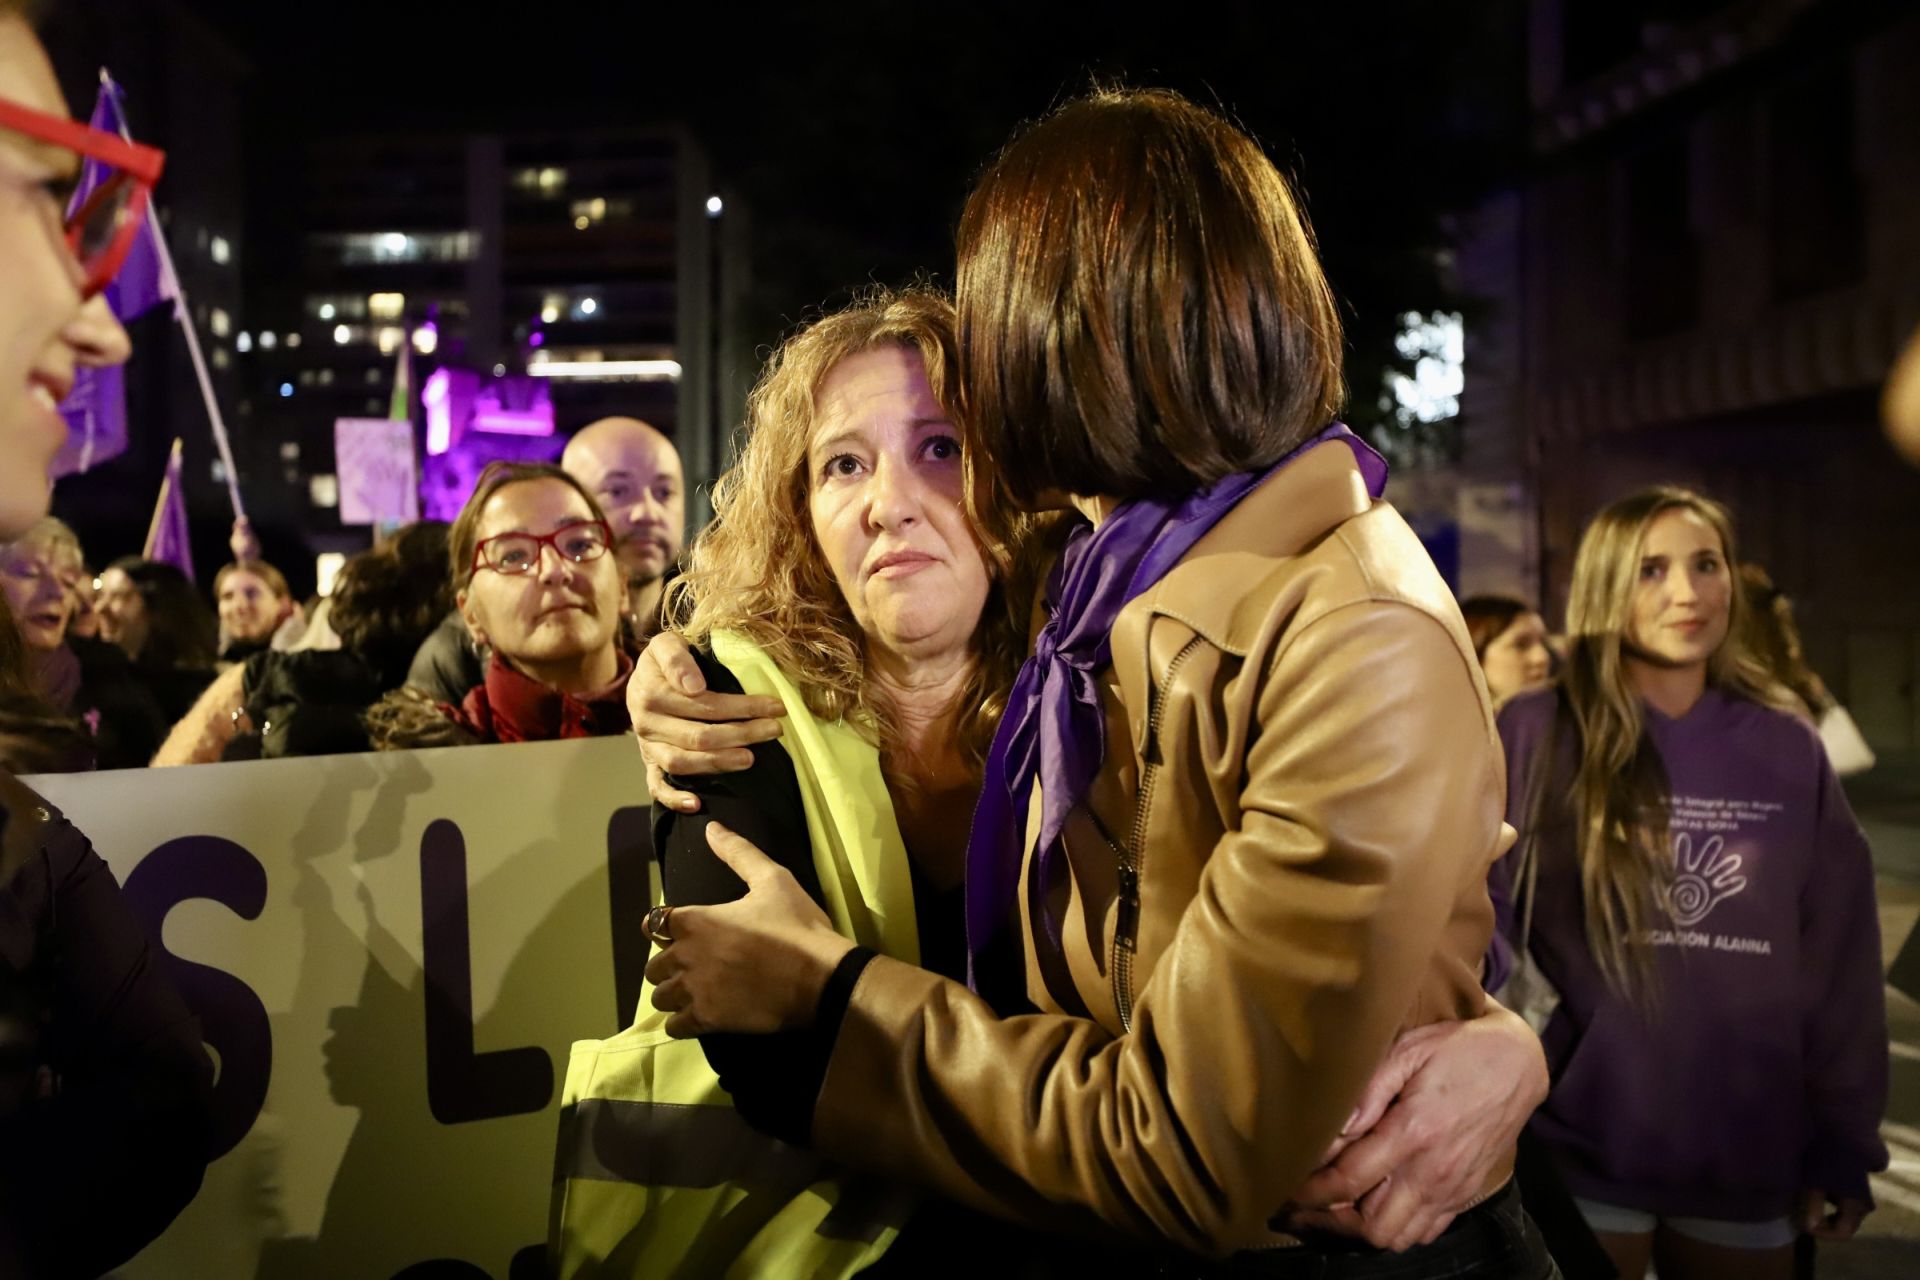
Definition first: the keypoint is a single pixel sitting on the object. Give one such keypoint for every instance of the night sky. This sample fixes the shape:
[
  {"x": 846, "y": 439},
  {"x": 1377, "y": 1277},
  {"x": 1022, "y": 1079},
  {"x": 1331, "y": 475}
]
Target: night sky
[{"x": 852, "y": 130}]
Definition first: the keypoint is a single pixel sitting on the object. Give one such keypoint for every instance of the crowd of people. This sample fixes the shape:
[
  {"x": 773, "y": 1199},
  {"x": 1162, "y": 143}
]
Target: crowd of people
[
  {"x": 435, "y": 637},
  {"x": 1078, "y": 796}
]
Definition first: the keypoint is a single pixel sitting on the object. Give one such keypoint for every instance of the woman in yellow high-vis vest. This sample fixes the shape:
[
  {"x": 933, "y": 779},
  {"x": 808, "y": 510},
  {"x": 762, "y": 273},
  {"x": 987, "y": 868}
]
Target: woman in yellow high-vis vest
[{"x": 848, "y": 576}]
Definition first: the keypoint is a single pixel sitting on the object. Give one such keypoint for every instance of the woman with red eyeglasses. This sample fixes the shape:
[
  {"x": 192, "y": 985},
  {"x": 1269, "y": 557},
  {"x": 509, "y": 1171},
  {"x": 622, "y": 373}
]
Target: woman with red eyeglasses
[
  {"x": 544, "y": 600},
  {"x": 105, "y": 1115}
]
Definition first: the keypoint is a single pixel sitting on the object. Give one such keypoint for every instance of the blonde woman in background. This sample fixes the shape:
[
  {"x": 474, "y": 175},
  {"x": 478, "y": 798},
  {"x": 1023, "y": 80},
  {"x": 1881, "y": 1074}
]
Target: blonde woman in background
[{"x": 1695, "y": 887}]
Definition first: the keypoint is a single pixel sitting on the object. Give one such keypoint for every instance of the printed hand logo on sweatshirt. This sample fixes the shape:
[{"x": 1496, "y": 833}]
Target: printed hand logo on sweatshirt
[{"x": 1705, "y": 877}]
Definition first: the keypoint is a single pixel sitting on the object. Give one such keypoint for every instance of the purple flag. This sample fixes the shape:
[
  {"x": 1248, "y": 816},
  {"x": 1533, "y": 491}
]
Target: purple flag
[
  {"x": 167, "y": 539},
  {"x": 96, "y": 408}
]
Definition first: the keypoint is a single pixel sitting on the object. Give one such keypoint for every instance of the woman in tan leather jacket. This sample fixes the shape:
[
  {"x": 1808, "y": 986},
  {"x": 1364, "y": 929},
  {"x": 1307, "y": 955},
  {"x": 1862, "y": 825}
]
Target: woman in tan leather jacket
[{"x": 1239, "y": 814}]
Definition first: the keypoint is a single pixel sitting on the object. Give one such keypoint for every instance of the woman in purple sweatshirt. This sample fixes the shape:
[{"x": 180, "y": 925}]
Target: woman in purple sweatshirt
[{"x": 1691, "y": 881}]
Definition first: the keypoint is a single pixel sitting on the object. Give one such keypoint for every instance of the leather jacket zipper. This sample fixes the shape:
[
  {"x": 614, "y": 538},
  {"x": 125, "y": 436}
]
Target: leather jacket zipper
[{"x": 1132, "y": 854}]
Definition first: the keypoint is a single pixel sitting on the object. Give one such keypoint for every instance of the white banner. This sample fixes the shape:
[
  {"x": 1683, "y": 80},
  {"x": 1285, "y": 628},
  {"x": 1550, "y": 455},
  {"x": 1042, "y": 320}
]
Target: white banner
[{"x": 389, "y": 955}]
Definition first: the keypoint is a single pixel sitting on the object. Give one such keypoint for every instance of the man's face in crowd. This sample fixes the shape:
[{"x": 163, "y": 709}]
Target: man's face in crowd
[{"x": 633, "y": 472}]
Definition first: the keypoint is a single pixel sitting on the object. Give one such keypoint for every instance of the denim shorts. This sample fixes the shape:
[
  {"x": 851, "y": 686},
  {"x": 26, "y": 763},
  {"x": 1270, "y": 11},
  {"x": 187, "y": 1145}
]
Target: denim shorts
[{"x": 1771, "y": 1233}]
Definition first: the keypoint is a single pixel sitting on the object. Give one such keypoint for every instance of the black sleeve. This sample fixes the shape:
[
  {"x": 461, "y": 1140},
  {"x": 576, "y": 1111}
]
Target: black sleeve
[
  {"x": 446, "y": 667},
  {"x": 96, "y": 1171},
  {"x": 774, "y": 1079}
]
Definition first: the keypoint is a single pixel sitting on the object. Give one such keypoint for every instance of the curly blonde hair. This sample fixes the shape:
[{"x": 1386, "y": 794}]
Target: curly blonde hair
[{"x": 758, "y": 568}]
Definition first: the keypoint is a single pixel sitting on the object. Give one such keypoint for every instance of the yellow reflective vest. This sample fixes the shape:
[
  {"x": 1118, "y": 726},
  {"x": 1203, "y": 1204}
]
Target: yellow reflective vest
[{"x": 656, "y": 1174}]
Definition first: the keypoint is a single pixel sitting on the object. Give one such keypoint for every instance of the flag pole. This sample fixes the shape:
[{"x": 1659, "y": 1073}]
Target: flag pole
[
  {"x": 168, "y": 479},
  {"x": 171, "y": 283}
]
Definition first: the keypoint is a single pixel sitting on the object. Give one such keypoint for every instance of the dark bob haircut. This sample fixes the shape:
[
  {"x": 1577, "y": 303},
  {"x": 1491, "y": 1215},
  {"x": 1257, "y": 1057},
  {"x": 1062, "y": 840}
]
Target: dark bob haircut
[{"x": 1141, "y": 307}]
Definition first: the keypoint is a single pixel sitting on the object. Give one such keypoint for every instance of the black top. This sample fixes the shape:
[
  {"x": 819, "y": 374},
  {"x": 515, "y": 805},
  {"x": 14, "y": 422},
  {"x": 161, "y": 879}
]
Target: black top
[
  {"x": 105, "y": 1089},
  {"x": 447, "y": 666},
  {"x": 119, "y": 710},
  {"x": 308, "y": 703},
  {"x": 775, "y": 1080}
]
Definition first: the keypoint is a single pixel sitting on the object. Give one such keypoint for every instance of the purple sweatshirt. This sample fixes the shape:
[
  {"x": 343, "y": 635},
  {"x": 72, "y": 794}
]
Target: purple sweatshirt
[{"x": 1763, "y": 1069}]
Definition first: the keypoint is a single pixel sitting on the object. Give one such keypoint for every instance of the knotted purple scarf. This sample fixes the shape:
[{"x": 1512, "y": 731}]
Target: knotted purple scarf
[{"x": 1055, "y": 728}]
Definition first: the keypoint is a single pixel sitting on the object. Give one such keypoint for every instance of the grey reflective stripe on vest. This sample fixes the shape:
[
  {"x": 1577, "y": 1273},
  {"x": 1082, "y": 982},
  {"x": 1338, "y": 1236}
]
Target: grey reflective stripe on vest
[{"x": 664, "y": 1144}]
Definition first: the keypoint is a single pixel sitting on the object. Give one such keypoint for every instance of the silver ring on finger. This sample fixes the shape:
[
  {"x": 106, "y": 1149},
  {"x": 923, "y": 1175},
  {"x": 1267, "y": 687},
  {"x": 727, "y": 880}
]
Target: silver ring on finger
[{"x": 657, "y": 923}]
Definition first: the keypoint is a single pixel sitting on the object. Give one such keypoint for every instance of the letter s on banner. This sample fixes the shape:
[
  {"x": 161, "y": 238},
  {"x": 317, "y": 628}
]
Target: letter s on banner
[{"x": 232, "y": 1019}]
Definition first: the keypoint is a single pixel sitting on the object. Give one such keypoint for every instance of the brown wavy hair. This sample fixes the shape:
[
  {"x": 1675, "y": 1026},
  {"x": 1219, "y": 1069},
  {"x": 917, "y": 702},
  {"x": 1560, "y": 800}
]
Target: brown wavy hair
[
  {"x": 1488, "y": 618},
  {"x": 758, "y": 569},
  {"x": 1773, "y": 638},
  {"x": 1619, "y": 794},
  {"x": 1140, "y": 303}
]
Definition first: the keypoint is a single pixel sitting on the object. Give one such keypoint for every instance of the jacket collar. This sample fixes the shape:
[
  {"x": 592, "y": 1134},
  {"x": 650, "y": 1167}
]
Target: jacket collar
[{"x": 1218, "y": 588}]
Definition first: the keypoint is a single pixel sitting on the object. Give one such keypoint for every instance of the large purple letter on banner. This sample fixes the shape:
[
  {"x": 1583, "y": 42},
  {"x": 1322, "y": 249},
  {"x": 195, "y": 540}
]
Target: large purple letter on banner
[{"x": 232, "y": 1018}]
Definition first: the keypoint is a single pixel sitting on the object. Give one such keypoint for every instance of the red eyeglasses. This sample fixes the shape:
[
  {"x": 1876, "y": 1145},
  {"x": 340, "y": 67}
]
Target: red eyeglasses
[
  {"x": 101, "y": 230},
  {"x": 518, "y": 553}
]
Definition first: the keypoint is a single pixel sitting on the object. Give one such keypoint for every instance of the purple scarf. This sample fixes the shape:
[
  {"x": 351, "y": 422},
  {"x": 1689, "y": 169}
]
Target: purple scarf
[{"x": 1055, "y": 728}]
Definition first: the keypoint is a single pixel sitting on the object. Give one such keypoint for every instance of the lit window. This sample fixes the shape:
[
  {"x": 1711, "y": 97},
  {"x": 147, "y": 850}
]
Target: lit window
[
  {"x": 715, "y": 206},
  {"x": 390, "y": 338},
  {"x": 328, "y": 564},
  {"x": 1436, "y": 344},
  {"x": 220, "y": 322},
  {"x": 286, "y": 390},
  {"x": 373, "y": 377},
  {"x": 326, "y": 377},
  {"x": 220, "y": 358},
  {"x": 267, "y": 340},
  {"x": 222, "y": 252},
  {"x": 386, "y": 306},
  {"x": 342, "y": 334},
  {"x": 588, "y": 306},
  {"x": 357, "y": 248},
  {"x": 219, "y": 470},
  {"x": 293, "y": 339},
  {"x": 499, "y": 371},
  {"x": 243, "y": 343},
  {"x": 290, "y": 451},
  {"x": 306, "y": 377},
  {"x": 550, "y": 309},
  {"x": 426, "y": 339},
  {"x": 552, "y": 180},
  {"x": 324, "y": 491},
  {"x": 326, "y": 311},
  {"x": 582, "y": 222}
]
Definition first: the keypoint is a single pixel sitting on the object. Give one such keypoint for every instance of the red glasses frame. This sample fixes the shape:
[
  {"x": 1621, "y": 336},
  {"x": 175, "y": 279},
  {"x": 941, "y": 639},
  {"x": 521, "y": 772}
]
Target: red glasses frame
[
  {"x": 136, "y": 166},
  {"x": 543, "y": 540}
]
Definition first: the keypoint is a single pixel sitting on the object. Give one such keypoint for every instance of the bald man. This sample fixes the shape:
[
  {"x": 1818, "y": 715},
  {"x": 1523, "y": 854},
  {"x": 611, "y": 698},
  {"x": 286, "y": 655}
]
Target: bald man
[{"x": 633, "y": 470}]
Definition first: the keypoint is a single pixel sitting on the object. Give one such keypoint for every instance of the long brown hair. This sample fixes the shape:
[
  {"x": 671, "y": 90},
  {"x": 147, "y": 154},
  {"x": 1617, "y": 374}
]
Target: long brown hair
[
  {"x": 1619, "y": 794},
  {"x": 1773, "y": 638},
  {"x": 758, "y": 568}
]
